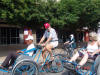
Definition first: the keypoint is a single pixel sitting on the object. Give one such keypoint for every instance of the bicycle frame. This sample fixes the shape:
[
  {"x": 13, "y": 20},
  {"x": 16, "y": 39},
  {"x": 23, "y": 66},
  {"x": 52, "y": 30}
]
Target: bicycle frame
[{"x": 69, "y": 49}]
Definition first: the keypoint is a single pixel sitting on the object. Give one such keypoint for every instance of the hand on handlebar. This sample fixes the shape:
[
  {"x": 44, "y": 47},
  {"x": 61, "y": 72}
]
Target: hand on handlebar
[
  {"x": 43, "y": 44},
  {"x": 65, "y": 43}
]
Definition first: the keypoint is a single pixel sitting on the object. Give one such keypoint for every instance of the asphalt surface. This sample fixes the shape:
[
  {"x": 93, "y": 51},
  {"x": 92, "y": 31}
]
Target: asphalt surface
[{"x": 64, "y": 72}]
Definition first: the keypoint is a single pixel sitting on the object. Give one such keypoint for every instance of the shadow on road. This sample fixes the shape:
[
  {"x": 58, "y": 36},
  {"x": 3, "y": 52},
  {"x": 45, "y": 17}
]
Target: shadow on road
[{"x": 68, "y": 72}]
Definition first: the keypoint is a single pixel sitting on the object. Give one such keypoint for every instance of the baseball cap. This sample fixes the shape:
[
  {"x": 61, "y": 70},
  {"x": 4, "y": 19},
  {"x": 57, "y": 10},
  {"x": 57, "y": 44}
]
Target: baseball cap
[
  {"x": 30, "y": 37},
  {"x": 46, "y": 25}
]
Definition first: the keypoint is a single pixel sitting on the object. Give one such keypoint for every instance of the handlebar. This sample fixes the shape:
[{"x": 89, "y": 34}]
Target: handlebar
[{"x": 39, "y": 47}]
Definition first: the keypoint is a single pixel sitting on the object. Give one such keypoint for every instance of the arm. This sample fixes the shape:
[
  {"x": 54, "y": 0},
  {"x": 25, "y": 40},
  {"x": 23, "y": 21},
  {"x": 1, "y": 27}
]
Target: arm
[
  {"x": 42, "y": 39},
  {"x": 97, "y": 51},
  {"x": 48, "y": 40},
  {"x": 66, "y": 42},
  {"x": 71, "y": 42},
  {"x": 19, "y": 51}
]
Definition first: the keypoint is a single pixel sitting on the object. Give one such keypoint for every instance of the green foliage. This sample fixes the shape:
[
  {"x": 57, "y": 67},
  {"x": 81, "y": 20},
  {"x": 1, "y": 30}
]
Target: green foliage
[{"x": 66, "y": 13}]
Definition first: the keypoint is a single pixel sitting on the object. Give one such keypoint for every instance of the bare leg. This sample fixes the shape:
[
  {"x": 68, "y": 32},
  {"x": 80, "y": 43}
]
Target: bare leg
[
  {"x": 74, "y": 57},
  {"x": 49, "y": 49},
  {"x": 44, "y": 55},
  {"x": 84, "y": 60}
]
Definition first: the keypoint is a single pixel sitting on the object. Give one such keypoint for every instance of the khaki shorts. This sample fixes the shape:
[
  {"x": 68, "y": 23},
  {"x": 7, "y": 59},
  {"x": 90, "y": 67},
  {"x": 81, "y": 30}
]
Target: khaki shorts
[{"x": 54, "y": 44}]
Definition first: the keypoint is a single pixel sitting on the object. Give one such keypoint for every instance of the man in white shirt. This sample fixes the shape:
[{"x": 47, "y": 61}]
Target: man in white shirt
[
  {"x": 51, "y": 42},
  {"x": 30, "y": 44},
  {"x": 10, "y": 59}
]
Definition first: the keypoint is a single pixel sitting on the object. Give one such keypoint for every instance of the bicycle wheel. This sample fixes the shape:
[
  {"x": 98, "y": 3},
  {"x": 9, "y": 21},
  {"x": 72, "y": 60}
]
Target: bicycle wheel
[
  {"x": 56, "y": 65},
  {"x": 66, "y": 51},
  {"x": 66, "y": 63},
  {"x": 26, "y": 68},
  {"x": 71, "y": 52}
]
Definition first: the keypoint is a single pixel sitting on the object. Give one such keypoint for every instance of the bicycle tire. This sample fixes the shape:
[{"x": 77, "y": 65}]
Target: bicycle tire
[
  {"x": 56, "y": 65},
  {"x": 26, "y": 68},
  {"x": 65, "y": 63},
  {"x": 68, "y": 51}
]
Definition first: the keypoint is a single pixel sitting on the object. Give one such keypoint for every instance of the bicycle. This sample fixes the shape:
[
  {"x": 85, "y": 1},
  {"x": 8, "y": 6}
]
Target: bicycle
[
  {"x": 68, "y": 50},
  {"x": 54, "y": 66}
]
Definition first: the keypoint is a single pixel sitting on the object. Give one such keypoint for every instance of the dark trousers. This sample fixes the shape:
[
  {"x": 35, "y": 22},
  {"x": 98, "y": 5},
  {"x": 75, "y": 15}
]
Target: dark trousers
[{"x": 10, "y": 59}]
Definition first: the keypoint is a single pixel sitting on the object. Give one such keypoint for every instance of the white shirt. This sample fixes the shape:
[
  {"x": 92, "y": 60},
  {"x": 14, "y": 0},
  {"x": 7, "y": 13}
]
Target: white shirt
[
  {"x": 31, "y": 46},
  {"x": 92, "y": 48},
  {"x": 52, "y": 34}
]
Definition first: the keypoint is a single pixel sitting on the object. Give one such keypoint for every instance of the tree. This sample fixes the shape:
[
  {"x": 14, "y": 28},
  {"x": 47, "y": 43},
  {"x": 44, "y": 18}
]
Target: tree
[
  {"x": 64, "y": 14},
  {"x": 79, "y": 13},
  {"x": 90, "y": 13}
]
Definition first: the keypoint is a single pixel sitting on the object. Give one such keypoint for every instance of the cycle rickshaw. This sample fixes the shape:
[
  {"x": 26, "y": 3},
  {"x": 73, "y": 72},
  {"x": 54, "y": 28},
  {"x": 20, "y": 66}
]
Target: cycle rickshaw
[
  {"x": 25, "y": 65},
  {"x": 88, "y": 68}
]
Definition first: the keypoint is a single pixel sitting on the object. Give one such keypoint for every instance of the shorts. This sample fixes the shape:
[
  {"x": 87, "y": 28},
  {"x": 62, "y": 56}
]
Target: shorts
[
  {"x": 89, "y": 56},
  {"x": 54, "y": 44}
]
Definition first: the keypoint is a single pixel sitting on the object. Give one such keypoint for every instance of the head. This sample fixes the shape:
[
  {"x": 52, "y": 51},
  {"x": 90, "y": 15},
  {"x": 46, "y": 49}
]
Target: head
[
  {"x": 47, "y": 26},
  {"x": 93, "y": 36},
  {"x": 71, "y": 36},
  {"x": 29, "y": 39}
]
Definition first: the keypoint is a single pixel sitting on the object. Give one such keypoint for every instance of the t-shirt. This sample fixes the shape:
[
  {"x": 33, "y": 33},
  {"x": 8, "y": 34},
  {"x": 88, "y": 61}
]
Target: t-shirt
[
  {"x": 31, "y": 46},
  {"x": 92, "y": 48},
  {"x": 73, "y": 44},
  {"x": 52, "y": 33}
]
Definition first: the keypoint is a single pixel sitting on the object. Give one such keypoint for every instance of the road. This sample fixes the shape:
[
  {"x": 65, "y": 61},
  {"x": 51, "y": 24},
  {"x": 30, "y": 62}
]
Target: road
[{"x": 64, "y": 72}]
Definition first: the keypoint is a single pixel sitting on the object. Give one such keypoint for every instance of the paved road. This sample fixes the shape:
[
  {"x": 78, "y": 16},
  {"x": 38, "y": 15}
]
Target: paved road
[{"x": 65, "y": 72}]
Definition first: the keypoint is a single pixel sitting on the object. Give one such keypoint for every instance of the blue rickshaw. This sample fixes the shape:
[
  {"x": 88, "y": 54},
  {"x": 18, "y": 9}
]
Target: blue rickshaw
[{"x": 25, "y": 65}]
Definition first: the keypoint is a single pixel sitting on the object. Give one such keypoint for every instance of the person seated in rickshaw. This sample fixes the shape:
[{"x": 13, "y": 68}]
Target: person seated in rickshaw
[
  {"x": 71, "y": 42},
  {"x": 10, "y": 59},
  {"x": 92, "y": 46}
]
